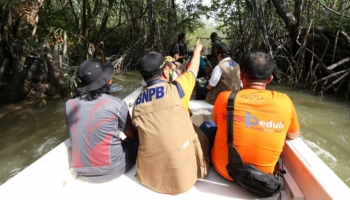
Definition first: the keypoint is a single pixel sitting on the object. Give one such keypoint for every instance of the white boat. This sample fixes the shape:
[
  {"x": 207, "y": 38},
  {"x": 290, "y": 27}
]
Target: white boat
[{"x": 51, "y": 177}]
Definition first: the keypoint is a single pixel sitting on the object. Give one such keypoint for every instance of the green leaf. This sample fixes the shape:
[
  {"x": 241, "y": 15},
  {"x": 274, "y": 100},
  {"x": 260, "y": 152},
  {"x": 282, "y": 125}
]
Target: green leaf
[
  {"x": 57, "y": 96},
  {"x": 42, "y": 103}
]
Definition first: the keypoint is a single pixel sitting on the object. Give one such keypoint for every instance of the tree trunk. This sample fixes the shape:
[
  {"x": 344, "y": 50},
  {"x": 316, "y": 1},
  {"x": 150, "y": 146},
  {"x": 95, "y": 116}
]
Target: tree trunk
[
  {"x": 65, "y": 58},
  {"x": 54, "y": 70},
  {"x": 289, "y": 19},
  {"x": 14, "y": 90},
  {"x": 3, "y": 66},
  {"x": 99, "y": 51}
]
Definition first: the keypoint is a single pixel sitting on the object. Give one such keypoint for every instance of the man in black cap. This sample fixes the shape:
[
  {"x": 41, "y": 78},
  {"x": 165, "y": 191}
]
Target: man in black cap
[
  {"x": 94, "y": 120},
  {"x": 215, "y": 43},
  {"x": 225, "y": 76},
  {"x": 173, "y": 153},
  {"x": 180, "y": 47}
]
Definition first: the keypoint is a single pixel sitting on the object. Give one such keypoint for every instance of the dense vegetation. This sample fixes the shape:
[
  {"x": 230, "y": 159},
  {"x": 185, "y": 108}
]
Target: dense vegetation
[{"x": 43, "y": 40}]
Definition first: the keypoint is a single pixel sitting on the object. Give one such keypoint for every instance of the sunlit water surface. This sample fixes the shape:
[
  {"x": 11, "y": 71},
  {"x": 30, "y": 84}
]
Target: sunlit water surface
[{"x": 31, "y": 131}]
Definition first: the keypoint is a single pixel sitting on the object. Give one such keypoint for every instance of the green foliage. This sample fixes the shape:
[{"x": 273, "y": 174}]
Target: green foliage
[
  {"x": 42, "y": 103},
  {"x": 69, "y": 76},
  {"x": 33, "y": 46}
]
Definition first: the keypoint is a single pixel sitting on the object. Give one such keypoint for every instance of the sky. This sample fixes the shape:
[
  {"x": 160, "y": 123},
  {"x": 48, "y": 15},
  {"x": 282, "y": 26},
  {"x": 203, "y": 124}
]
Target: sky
[{"x": 205, "y": 2}]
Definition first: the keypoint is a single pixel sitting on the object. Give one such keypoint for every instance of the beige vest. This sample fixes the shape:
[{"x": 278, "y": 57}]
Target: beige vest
[
  {"x": 170, "y": 157},
  {"x": 229, "y": 80}
]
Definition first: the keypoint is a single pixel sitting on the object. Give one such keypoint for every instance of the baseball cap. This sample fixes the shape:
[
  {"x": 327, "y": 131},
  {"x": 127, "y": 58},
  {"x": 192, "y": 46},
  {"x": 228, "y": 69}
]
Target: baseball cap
[
  {"x": 93, "y": 75},
  {"x": 223, "y": 49},
  {"x": 151, "y": 63}
]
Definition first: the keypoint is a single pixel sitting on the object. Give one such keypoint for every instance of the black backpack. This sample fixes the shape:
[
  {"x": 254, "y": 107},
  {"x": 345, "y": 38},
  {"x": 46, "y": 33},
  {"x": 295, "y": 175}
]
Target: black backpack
[{"x": 248, "y": 176}]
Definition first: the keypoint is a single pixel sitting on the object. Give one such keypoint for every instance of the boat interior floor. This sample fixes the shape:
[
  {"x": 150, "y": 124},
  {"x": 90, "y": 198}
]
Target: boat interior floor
[{"x": 44, "y": 180}]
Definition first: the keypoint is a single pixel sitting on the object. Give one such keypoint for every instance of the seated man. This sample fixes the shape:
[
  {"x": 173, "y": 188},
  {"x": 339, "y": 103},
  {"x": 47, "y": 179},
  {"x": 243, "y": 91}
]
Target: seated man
[
  {"x": 225, "y": 76},
  {"x": 173, "y": 153},
  {"x": 262, "y": 119},
  {"x": 94, "y": 120}
]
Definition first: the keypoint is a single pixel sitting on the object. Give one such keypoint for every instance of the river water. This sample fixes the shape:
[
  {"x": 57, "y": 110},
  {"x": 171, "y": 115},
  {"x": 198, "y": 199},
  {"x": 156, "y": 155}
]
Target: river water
[{"x": 29, "y": 131}]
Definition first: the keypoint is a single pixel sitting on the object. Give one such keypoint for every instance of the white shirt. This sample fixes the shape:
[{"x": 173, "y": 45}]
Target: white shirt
[{"x": 217, "y": 72}]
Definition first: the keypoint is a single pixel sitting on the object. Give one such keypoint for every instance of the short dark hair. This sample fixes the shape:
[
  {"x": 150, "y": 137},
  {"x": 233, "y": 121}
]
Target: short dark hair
[
  {"x": 213, "y": 34},
  {"x": 180, "y": 36},
  {"x": 173, "y": 51},
  {"x": 93, "y": 94},
  {"x": 257, "y": 66},
  {"x": 149, "y": 76}
]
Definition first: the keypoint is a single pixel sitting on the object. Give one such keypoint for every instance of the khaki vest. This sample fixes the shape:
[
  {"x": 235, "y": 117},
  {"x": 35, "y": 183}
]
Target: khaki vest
[
  {"x": 229, "y": 80},
  {"x": 170, "y": 157}
]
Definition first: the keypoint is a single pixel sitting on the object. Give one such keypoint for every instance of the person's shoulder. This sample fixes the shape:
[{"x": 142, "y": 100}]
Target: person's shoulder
[
  {"x": 112, "y": 98},
  {"x": 175, "y": 44},
  {"x": 223, "y": 96},
  {"x": 69, "y": 102},
  {"x": 233, "y": 62},
  {"x": 182, "y": 44},
  {"x": 217, "y": 41},
  {"x": 280, "y": 95}
]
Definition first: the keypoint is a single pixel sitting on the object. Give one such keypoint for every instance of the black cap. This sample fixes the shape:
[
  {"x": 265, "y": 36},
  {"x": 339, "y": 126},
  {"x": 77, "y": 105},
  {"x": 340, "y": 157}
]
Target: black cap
[
  {"x": 223, "y": 49},
  {"x": 213, "y": 34},
  {"x": 152, "y": 62},
  {"x": 93, "y": 75}
]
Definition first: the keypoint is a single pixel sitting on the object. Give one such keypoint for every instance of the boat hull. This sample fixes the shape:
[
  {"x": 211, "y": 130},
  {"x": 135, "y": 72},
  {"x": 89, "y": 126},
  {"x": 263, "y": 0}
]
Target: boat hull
[{"x": 51, "y": 177}]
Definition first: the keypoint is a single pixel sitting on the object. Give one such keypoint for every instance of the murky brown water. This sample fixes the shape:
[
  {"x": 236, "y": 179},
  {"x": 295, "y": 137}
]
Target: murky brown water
[{"x": 29, "y": 132}]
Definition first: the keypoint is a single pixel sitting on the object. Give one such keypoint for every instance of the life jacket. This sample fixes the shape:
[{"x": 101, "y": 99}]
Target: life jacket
[
  {"x": 170, "y": 158},
  {"x": 229, "y": 80}
]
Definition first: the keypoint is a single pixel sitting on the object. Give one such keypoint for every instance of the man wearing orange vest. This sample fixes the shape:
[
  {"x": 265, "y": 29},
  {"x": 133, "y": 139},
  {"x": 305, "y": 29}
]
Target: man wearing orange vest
[
  {"x": 173, "y": 153},
  {"x": 262, "y": 119}
]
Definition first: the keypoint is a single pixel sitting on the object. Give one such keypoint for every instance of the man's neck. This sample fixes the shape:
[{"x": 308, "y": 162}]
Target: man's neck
[{"x": 254, "y": 85}]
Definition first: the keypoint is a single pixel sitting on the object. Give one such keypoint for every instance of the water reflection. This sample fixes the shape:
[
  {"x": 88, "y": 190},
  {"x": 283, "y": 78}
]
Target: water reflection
[
  {"x": 31, "y": 131},
  {"x": 325, "y": 128}
]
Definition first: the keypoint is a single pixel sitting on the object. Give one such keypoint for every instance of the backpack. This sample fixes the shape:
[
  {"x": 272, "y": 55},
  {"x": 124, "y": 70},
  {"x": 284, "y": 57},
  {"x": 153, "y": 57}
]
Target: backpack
[
  {"x": 188, "y": 61},
  {"x": 175, "y": 48},
  {"x": 248, "y": 176}
]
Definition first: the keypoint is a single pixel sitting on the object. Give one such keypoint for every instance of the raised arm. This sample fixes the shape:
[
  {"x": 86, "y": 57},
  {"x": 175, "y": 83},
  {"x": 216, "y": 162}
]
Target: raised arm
[{"x": 194, "y": 66}]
